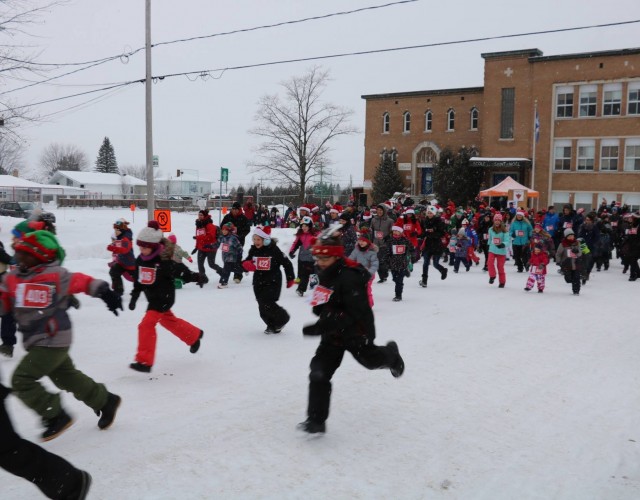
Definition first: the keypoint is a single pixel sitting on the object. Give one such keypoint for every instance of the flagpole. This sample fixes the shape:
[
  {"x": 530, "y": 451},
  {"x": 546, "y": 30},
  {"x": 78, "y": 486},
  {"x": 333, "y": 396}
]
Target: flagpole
[{"x": 533, "y": 156}]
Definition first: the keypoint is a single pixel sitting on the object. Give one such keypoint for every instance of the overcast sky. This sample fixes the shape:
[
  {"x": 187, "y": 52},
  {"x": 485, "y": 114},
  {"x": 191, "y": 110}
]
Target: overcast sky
[{"x": 203, "y": 124}]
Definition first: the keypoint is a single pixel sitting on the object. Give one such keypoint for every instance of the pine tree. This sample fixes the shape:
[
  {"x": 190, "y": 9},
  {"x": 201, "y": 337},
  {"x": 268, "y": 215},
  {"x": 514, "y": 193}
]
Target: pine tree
[
  {"x": 453, "y": 177},
  {"x": 387, "y": 180},
  {"x": 106, "y": 161}
]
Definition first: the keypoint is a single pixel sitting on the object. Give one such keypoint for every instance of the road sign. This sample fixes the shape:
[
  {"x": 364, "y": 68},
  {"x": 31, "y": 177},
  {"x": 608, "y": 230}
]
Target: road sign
[
  {"x": 164, "y": 219},
  {"x": 156, "y": 161},
  {"x": 224, "y": 175}
]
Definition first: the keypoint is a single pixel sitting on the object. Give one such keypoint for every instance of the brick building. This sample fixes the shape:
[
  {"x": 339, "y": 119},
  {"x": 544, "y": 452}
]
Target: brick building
[{"x": 588, "y": 108}]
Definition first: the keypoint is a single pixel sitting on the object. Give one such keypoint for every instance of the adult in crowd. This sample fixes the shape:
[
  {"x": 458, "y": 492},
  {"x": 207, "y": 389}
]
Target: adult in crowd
[{"x": 381, "y": 226}]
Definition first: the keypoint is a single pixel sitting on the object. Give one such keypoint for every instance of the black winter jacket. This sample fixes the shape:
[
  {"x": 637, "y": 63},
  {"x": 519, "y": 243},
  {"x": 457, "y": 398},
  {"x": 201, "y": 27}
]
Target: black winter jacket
[
  {"x": 268, "y": 260},
  {"x": 155, "y": 278}
]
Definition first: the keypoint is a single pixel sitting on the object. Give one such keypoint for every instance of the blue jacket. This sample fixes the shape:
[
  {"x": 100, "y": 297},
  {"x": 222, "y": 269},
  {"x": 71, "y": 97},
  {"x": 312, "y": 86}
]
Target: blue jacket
[
  {"x": 550, "y": 223},
  {"x": 496, "y": 239},
  {"x": 520, "y": 231}
]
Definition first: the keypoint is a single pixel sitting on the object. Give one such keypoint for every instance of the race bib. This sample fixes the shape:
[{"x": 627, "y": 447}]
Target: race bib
[
  {"x": 549, "y": 228},
  {"x": 407, "y": 227},
  {"x": 321, "y": 295},
  {"x": 538, "y": 270},
  {"x": 147, "y": 275},
  {"x": 379, "y": 235},
  {"x": 452, "y": 249},
  {"x": 263, "y": 263},
  {"x": 399, "y": 249},
  {"x": 571, "y": 254},
  {"x": 633, "y": 231},
  {"x": 225, "y": 247},
  {"x": 200, "y": 231},
  {"x": 485, "y": 236},
  {"x": 34, "y": 296},
  {"x": 614, "y": 223},
  {"x": 519, "y": 233},
  {"x": 497, "y": 241},
  {"x": 567, "y": 225}
]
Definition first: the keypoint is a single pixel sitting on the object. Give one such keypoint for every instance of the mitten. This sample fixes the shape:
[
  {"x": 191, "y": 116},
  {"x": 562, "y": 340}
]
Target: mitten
[
  {"x": 290, "y": 283},
  {"x": 194, "y": 251},
  {"x": 248, "y": 266},
  {"x": 292, "y": 255},
  {"x": 501, "y": 245},
  {"x": 111, "y": 248},
  {"x": 132, "y": 303},
  {"x": 190, "y": 259},
  {"x": 310, "y": 330},
  {"x": 111, "y": 298}
]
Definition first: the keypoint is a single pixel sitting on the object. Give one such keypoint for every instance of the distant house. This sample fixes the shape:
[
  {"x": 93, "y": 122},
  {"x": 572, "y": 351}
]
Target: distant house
[
  {"x": 186, "y": 185},
  {"x": 16, "y": 189},
  {"x": 101, "y": 185}
]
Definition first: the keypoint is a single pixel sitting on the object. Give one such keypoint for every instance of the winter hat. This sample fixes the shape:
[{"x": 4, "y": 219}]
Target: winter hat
[
  {"x": 364, "y": 235},
  {"x": 150, "y": 236},
  {"x": 172, "y": 238},
  {"x": 397, "y": 228},
  {"x": 520, "y": 213},
  {"x": 228, "y": 226},
  {"x": 21, "y": 228},
  {"x": 409, "y": 211},
  {"x": 41, "y": 244},
  {"x": 263, "y": 231},
  {"x": 461, "y": 232},
  {"x": 465, "y": 222},
  {"x": 568, "y": 232},
  {"x": 366, "y": 215},
  {"x": 236, "y": 205},
  {"x": 315, "y": 208},
  {"x": 204, "y": 212},
  {"x": 307, "y": 220},
  {"x": 537, "y": 224},
  {"x": 329, "y": 243},
  {"x": 121, "y": 224},
  {"x": 305, "y": 208},
  {"x": 497, "y": 217},
  {"x": 432, "y": 210}
]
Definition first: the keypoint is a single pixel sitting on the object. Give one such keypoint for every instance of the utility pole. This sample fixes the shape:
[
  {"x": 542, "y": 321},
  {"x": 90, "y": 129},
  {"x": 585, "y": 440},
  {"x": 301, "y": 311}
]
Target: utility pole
[{"x": 151, "y": 202}]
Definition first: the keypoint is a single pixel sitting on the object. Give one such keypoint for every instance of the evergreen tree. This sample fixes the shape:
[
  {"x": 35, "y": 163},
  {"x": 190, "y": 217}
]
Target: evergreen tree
[
  {"x": 454, "y": 179},
  {"x": 387, "y": 179},
  {"x": 106, "y": 161}
]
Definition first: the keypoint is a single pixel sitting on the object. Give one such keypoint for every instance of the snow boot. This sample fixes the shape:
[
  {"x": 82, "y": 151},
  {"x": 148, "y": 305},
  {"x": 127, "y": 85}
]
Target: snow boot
[
  {"x": 443, "y": 274},
  {"x": 300, "y": 293},
  {"x": 397, "y": 298},
  {"x": 423, "y": 283},
  {"x": 501, "y": 285},
  {"x": 85, "y": 485},
  {"x": 311, "y": 427},
  {"x": 56, "y": 425},
  {"x": 491, "y": 281},
  {"x": 139, "y": 367},
  {"x": 108, "y": 412},
  {"x": 397, "y": 366},
  {"x": 222, "y": 285},
  {"x": 196, "y": 345}
]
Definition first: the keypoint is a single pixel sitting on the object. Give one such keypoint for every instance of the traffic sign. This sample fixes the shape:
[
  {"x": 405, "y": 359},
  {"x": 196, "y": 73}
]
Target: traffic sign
[
  {"x": 156, "y": 161},
  {"x": 224, "y": 175},
  {"x": 164, "y": 219}
]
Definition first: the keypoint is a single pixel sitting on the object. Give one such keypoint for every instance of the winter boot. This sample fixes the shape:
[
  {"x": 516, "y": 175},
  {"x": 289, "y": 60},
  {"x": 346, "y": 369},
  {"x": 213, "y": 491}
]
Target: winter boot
[
  {"x": 269, "y": 330},
  {"x": 300, "y": 293},
  {"x": 501, "y": 285},
  {"x": 491, "y": 281},
  {"x": 85, "y": 485},
  {"x": 196, "y": 345},
  {"x": 6, "y": 350},
  {"x": 423, "y": 282},
  {"x": 56, "y": 425},
  {"x": 382, "y": 280},
  {"x": 443, "y": 274},
  {"x": 222, "y": 285},
  {"x": 311, "y": 427},
  {"x": 139, "y": 367},
  {"x": 397, "y": 298},
  {"x": 108, "y": 412},
  {"x": 397, "y": 366}
]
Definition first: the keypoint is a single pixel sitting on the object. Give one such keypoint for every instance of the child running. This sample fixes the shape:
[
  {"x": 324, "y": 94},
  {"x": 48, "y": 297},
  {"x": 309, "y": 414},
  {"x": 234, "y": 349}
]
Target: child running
[
  {"x": 538, "y": 268},
  {"x": 231, "y": 249}
]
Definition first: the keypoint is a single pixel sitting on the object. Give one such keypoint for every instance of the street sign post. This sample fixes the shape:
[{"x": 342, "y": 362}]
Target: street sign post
[{"x": 156, "y": 161}]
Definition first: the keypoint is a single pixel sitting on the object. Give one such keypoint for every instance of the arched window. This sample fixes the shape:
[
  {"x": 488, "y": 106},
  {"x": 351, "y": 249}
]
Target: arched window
[
  {"x": 451, "y": 119},
  {"x": 406, "y": 120},
  {"x": 385, "y": 123},
  {"x": 474, "y": 118},
  {"x": 428, "y": 121}
]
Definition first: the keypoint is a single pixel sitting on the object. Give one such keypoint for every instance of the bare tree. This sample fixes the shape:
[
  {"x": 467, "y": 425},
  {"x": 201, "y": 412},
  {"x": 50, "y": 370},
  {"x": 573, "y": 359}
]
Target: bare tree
[
  {"x": 62, "y": 157},
  {"x": 297, "y": 130},
  {"x": 11, "y": 150},
  {"x": 137, "y": 171}
]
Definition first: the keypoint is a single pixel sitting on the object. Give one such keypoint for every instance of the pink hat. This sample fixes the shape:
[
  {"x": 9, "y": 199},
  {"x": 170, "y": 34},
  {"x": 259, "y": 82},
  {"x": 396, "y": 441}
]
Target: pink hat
[
  {"x": 497, "y": 217},
  {"x": 263, "y": 231},
  {"x": 172, "y": 238}
]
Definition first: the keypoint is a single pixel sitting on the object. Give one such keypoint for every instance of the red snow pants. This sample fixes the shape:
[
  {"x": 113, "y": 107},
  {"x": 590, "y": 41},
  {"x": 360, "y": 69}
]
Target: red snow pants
[{"x": 147, "y": 335}]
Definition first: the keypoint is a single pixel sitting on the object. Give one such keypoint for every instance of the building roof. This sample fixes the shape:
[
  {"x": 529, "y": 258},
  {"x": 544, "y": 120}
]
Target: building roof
[
  {"x": 418, "y": 93},
  {"x": 584, "y": 55},
  {"x": 100, "y": 178},
  {"x": 512, "y": 53},
  {"x": 11, "y": 181}
]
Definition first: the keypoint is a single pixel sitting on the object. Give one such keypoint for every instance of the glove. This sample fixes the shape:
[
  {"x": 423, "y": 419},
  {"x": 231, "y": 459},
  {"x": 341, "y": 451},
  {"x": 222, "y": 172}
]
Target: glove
[
  {"x": 292, "y": 255},
  {"x": 190, "y": 260},
  {"x": 194, "y": 251},
  {"x": 248, "y": 266},
  {"x": 501, "y": 245},
  {"x": 111, "y": 248},
  {"x": 132, "y": 302},
  {"x": 111, "y": 298},
  {"x": 194, "y": 237},
  {"x": 311, "y": 330},
  {"x": 290, "y": 283}
]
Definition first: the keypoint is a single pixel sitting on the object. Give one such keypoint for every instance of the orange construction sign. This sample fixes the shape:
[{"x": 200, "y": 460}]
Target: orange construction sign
[{"x": 164, "y": 219}]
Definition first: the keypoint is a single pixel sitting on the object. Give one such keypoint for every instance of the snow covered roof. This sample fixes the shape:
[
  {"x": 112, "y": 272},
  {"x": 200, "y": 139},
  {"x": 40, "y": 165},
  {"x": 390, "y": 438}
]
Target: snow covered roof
[
  {"x": 94, "y": 178},
  {"x": 11, "y": 181},
  {"x": 185, "y": 178}
]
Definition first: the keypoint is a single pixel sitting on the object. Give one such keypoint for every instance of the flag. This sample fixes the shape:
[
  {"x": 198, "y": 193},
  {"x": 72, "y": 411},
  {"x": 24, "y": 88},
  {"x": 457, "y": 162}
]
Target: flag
[{"x": 537, "y": 126}]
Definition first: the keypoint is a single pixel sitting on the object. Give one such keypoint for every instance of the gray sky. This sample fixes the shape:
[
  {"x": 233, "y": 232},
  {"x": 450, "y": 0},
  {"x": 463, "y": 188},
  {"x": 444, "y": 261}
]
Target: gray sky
[{"x": 204, "y": 124}]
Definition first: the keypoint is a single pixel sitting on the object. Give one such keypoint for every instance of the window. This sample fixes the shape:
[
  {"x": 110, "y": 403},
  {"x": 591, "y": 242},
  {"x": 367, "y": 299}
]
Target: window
[
  {"x": 451, "y": 119},
  {"x": 507, "y": 112},
  {"x": 586, "y": 154},
  {"x": 633, "y": 99},
  {"x": 609, "y": 149},
  {"x": 428, "y": 121},
  {"x": 611, "y": 99},
  {"x": 632, "y": 155},
  {"x": 385, "y": 123},
  {"x": 588, "y": 98},
  {"x": 564, "y": 102},
  {"x": 474, "y": 119},
  {"x": 562, "y": 155},
  {"x": 406, "y": 120}
]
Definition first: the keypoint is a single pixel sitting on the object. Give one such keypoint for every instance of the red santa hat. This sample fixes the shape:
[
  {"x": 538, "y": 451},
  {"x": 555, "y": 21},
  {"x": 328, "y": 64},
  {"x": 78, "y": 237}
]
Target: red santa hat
[
  {"x": 364, "y": 235},
  {"x": 366, "y": 215},
  {"x": 397, "y": 228},
  {"x": 520, "y": 212},
  {"x": 305, "y": 208},
  {"x": 409, "y": 211},
  {"x": 263, "y": 231},
  {"x": 314, "y": 208}
]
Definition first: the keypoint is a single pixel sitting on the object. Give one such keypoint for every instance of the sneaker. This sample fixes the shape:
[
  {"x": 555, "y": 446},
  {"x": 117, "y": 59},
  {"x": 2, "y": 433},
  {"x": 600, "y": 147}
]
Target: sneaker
[
  {"x": 311, "y": 427},
  {"x": 491, "y": 281},
  {"x": 85, "y": 484},
  {"x": 139, "y": 367},
  {"x": 455, "y": 271},
  {"x": 108, "y": 412},
  {"x": 423, "y": 283},
  {"x": 382, "y": 280},
  {"x": 300, "y": 293},
  {"x": 397, "y": 299},
  {"x": 527, "y": 289},
  {"x": 6, "y": 350},
  {"x": 269, "y": 330},
  {"x": 443, "y": 274},
  {"x": 56, "y": 425},
  {"x": 397, "y": 368},
  {"x": 576, "y": 293},
  {"x": 196, "y": 345},
  {"x": 222, "y": 285},
  {"x": 237, "y": 280},
  {"x": 501, "y": 285},
  {"x": 485, "y": 269}
]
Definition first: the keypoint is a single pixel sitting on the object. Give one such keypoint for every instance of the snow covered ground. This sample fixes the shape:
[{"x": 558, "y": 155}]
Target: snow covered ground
[{"x": 506, "y": 394}]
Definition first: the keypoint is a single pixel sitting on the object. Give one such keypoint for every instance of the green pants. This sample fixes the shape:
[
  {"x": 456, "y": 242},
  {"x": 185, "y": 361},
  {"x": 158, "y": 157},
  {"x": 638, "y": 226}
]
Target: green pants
[{"x": 55, "y": 363}]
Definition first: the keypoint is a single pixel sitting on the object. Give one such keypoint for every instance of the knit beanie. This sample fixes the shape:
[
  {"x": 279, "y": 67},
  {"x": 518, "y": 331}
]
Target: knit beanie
[
  {"x": 41, "y": 244},
  {"x": 568, "y": 232},
  {"x": 21, "y": 228},
  {"x": 150, "y": 236},
  {"x": 172, "y": 238}
]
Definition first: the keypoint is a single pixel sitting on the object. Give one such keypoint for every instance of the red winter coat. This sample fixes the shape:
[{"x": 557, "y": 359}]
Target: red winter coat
[
  {"x": 206, "y": 235},
  {"x": 539, "y": 259},
  {"x": 411, "y": 230}
]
